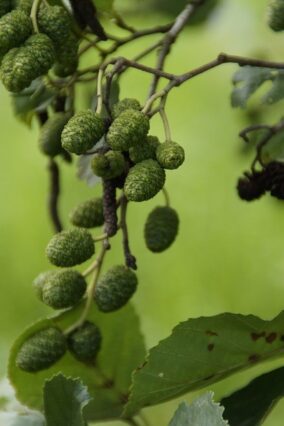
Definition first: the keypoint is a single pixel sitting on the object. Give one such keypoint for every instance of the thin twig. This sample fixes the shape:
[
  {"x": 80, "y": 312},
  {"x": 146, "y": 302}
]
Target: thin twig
[
  {"x": 271, "y": 131},
  {"x": 130, "y": 260},
  {"x": 245, "y": 132},
  {"x": 54, "y": 192}
]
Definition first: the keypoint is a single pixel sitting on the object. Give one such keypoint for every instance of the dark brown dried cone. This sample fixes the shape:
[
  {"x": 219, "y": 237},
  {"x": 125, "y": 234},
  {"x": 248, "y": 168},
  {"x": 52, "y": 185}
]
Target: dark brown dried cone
[
  {"x": 109, "y": 207},
  {"x": 252, "y": 185},
  {"x": 274, "y": 172}
]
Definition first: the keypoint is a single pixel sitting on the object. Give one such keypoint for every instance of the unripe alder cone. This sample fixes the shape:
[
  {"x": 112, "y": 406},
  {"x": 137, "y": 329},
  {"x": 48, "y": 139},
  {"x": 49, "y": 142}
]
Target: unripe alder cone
[
  {"x": 24, "y": 5},
  {"x": 161, "y": 229},
  {"x": 144, "y": 181},
  {"x": 276, "y": 15},
  {"x": 67, "y": 58},
  {"x": 115, "y": 288},
  {"x": 109, "y": 165},
  {"x": 41, "y": 350},
  {"x": 50, "y": 134},
  {"x": 63, "y": 289},
  {"x": 128, "y": 129},
  {"x": 70, "y": 248},
  {"x": 82, "y": 132},
  {"x": 22, "y": 65},
  {"x": 170, "y": 155},
  {"x": 15, "y": 28},
  {"x": 40, "y": 281},
  {"x": 89, "y": 214},
  {"x": 85, "y": 342},
  {"x": 145, "y": 150},
  {"x": 124, "y": 104}
]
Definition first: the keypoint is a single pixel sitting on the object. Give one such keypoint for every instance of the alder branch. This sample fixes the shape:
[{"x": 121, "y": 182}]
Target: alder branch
[
  {"x": 54, "y": 192},
  {"x": 130, "y": 260}
]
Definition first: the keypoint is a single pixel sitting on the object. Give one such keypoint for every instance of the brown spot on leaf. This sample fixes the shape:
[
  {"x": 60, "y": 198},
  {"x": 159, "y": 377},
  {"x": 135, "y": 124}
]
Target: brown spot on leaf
[
  {"x": 210, "y": 347},
  {"x": 256, "y": 336},
  {"x": 211, "y": 333},
  {"x": 271, "y": 337},
  {"x": 253, "y": 358}
]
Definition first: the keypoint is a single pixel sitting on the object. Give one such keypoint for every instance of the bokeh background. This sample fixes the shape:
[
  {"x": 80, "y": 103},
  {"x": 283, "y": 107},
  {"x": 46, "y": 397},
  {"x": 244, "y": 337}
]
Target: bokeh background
[{"x": 229, "y": 255}]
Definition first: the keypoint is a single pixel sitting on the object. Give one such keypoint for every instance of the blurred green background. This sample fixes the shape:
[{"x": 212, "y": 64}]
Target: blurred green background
[{"x": 229, "y": 255}]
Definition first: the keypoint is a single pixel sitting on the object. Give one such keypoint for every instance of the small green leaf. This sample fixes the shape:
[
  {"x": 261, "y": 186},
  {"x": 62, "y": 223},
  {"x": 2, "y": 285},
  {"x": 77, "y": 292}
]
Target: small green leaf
[
  {"x": 202, "y": 412},
  {"x": 252, "y": 404},
  {"x": 108, "y": 380},
  {"x": 203, "y": 351},
  {"x": 246, "y": 81},
  {"x": 276, "y": 93},
  {"x": 73, "y": 397}
]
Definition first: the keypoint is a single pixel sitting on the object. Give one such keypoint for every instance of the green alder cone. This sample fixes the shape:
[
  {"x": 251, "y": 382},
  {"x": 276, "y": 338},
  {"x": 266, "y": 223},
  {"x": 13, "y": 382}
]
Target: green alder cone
[
  {"x": 170, "y": 155},
  {"x": 40, "y": 281},
  {"x": 85, "y": 342},
  {"x": 70, "y": 248},
  {"x": 145, "y": 150},
  {"x": 15, "y": 28},
  {"x": 161, "y": 229},
  {"x": 144, "y": 181},
  {"x": 55, "y": 22},
  {"x": 276, "y": 15},
  {"x": 20, "y": 66},
  {"x": 67, "y": 58},
  {"x": 109, "y": 165},
  {"x": 24, "y": 5},
  {"x": 5, "y": 7},
  {"x": 127, "y": 130},
  {"x": 89, "y": 214},
  {"x": 41, "y": 350},
  {"x": 124, "y": 104},
  {"x": 115, "y": 288},
  {"x": 50, "y": 134},
  {"x": 63, "y": 289},
  {"x": 82, "y": 132}
]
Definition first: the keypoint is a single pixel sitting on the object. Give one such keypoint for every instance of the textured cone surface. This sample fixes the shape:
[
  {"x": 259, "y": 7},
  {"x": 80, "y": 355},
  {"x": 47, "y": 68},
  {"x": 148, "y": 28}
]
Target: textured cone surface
[
  {"x": 85, "y": 342},
  {"x": 109, "y": 207},
  {"x": 170, "y": 155},
  {"x": 276, "y": 15},
  {"x": 67, "y": 58},
  {"x": 89, "y": 214},
  {"x": 129, "y": 129},
  {"x": 109, "y": 165},
  {"x": 82, "y": 132},
  {"x": 40, "y": 281},
  {"x": 144, "y": 181},
  {"x": 70, "y": 248},
  {"x": 50, "y": 134},
  {"x": 144, "y": 151},
  {"x": 24, "y": 5},
  {"x": 41, "y": 350},
  {"x": 115, "y": 288},
  {"x": 21, "y": 66},
  {"x": 63, "y": 289},
  {"x": 124, "y": 104},
  {"x": 161, "y": 229},
  {"x": 15, "y": 28},
  {"x": 55, "y": 22}
]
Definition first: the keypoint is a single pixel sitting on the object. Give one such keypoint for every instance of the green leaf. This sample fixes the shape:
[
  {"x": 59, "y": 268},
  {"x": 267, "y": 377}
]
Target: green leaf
[
  {"x": 107, "y": 381},
  {"x": 73, "y": 397},
  {"x": 276, "y": 93},
  {"x": 29, "y": 418},
  {"x": 203, "y": 351},
  {"x": 35, "y": 98},
  {"x": 104, "y": 6},
  {"x": 246, "y": 81},
  {"x": 202, "y": 412},
  {"x": 252, "y": 404}
]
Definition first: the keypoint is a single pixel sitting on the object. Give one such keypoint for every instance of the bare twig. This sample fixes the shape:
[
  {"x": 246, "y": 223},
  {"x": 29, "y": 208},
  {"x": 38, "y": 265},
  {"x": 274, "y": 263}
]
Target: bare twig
[
  {"x": 271, "y": 131},
  {"x": 54, "y": 192},
  {"x": 130, "y": 260},
  {"x": 245, "y": 132}
]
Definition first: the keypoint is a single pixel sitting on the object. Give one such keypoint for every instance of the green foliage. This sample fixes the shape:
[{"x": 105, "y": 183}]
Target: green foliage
[
  {"x": 73, "y": 397},
  {"x": 128, "y": 129},
  {"x": 201, "y": 412},
  {"x": 40, "y": 281},
  {"x": 115, "y": 288},
  {"x": 15, "y": 28},
  {"x": 22, "y": 419},
  {"x": 108, "y": 385},
  {"x": 276, "y": 15},
  {"x": 109, "y": 165},
  {"x": 206, "y": 339},
  {"x": 70, "y": 248},
  {"x": 145, "y": 150},
  {"x": 161, "y": 228},
  {"x": 124, "y": 104},
  {"x": 170, "y": 155},
  {"x": 50, "y": 134},
  {"x": 63, "y": 289},
  {"x": 41, "y": 350},
  {"x": 85, "y": 342},
  {"x": 251, "y": 405},
  {"x": 82, "y": 132},
  {"x": 144, "y": 181},
  {"x": 88, "y": 214}
]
